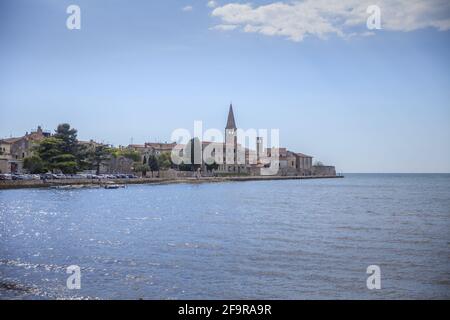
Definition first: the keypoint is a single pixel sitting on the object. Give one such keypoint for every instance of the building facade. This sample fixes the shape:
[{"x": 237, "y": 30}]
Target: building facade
[
  {"x": 14, "y": 150},
  {"x": 290, "y": 163}
]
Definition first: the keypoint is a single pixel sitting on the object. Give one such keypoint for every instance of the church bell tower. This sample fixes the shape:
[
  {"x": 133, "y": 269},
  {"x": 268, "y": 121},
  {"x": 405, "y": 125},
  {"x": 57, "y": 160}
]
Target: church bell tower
[{"x": 230, "y": 139}]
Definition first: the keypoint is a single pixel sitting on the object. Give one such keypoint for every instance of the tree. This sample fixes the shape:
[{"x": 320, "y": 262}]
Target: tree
[
  {"x": 164, "y": 161},
  {"x": 71, "y": 146},
  {"x": 193, "y": 150},
  {"x": 126, "y": 153},
  {"x": 68, "y": 136},
  {"x": 62, "y": 151},
  {"x": 184, "y": 167},
  {"x": 153, "y": 164},
  {"x": 83, "y": 157},
  {"x": 142, "y": 168},
  {"x": 66, "y": 163},
  {"x": 212, "y": 166},
  {"x": 50, "y": 151},
  {"x": 98, "y": 156},
  {"x": 34, "y": 164},
  {"x": 318, "y": 164}
]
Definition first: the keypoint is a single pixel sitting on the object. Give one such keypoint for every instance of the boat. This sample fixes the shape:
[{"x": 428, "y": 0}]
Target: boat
[
  {"x": 114, "y": 186},
  {"x": 68, "y": 187}
]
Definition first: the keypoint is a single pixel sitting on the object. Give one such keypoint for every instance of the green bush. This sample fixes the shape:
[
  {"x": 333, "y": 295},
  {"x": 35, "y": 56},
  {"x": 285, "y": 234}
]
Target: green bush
[{"x": 34, "y": 165}]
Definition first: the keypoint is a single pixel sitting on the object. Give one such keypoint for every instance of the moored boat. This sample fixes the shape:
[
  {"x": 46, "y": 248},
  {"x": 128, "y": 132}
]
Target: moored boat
[{"x": 114, "y": 186}]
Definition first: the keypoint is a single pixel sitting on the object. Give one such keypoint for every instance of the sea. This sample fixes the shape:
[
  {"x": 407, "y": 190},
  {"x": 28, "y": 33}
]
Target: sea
[{"x": 289, "y": 239}]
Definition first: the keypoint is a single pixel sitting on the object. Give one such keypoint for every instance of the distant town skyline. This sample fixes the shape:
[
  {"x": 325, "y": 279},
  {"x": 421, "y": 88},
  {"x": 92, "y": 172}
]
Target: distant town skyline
[{"x": 377, "y": 102}]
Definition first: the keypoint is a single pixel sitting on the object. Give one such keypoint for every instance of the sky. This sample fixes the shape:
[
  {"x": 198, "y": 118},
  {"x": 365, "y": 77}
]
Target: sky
[{"x": 363, "y": 100}]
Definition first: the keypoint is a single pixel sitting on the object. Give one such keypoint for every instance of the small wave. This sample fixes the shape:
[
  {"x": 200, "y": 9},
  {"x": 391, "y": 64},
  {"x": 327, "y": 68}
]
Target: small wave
[
  {"x": 26, "y": 265},
  {"x": 14, "y": 289},
  {"x": 142, "y": 218}
]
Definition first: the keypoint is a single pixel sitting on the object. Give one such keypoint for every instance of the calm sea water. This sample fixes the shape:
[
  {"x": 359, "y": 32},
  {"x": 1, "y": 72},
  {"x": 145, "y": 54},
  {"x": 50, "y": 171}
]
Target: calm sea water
[{"x": 298, "y": 239}]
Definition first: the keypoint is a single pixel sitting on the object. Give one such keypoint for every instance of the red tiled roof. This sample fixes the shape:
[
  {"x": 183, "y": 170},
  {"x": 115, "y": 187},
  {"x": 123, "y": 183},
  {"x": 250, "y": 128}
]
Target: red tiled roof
[{"x": 11, "y": 140}]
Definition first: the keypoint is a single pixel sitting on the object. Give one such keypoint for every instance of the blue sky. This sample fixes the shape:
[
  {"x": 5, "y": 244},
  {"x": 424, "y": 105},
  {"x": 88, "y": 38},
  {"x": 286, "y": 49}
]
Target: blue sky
[{"x": 140, "y": 69}]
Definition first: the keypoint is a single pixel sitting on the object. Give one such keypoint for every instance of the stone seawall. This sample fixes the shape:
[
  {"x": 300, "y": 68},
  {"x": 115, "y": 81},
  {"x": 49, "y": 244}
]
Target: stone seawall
[{"x": 18, "y": 184}]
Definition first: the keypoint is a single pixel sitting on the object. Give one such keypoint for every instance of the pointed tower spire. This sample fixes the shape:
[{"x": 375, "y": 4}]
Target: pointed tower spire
[{"x": 230, "y": 122}]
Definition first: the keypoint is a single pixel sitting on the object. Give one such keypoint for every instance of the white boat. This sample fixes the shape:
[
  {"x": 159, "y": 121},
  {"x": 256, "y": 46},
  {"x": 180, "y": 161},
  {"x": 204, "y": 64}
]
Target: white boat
[{"x": 65, "y": 187}]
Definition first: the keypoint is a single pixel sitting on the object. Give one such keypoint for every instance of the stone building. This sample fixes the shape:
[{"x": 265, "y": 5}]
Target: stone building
[
  {"x": 14, "y": 150},
  {"x": 321, "y": 170},
  {"x": 232, "y": 150},
  {"x": 303, "y": 164},
  {"x": 158, "y": 147},
  {"x": 151, "y": 149},
  {"x": 118, "y": 165},
  {"x": 290, "y": 163},
  {"x": 237, "y": 159}
]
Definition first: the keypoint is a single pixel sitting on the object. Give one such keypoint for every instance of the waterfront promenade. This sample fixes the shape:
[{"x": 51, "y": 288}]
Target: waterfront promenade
[{"x": 18, "y": 184}]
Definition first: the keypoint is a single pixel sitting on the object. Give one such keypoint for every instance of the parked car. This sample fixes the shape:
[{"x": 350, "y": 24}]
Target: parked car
[
  {"x": 5, "y": 176},
  {"x": 46, "y": 176},
  {"x": 16, "y": 176}
]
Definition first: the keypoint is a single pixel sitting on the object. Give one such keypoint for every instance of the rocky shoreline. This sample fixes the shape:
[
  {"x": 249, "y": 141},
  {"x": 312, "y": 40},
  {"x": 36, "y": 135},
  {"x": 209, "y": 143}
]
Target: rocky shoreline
[{"x": 20, "y": 184}]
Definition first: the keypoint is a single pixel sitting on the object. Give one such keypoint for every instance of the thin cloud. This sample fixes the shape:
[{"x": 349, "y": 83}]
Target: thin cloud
[
  {"x": 320, "y": 18},
  {"x": 187, "y": 8},
  {"x": 224, "y": 27},
  {"x": 212, "y": 4}
]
